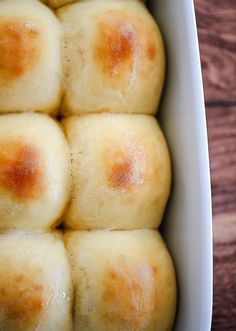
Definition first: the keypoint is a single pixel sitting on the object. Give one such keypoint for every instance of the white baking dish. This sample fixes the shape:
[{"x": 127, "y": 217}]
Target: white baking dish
[{"x": 188, "y": 221}]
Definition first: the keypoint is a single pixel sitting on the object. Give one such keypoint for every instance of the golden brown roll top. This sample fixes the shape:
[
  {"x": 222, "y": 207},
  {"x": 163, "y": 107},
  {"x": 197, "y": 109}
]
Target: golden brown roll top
[
  {"x": 35, "y": 283},
  {"x": 30, "y": 57},
  {"x": 34, "y": 172},
  {"x": 113, "y": 57},
  {"x": 20, "y": 48},
  {"x": 21, "y": 169},
  {"x": 120, "y": 170},
  {"x": 124, "y": 280}
]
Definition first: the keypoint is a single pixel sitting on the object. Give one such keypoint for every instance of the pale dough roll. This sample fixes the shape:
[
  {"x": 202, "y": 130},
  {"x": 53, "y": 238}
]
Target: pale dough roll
[
  {"x": 35, "y": 283},
  {"x": 123, "y": 280},
  {"x": 113, "y": 57},
  {"x": 34, "y": 172},
  {"x": 30, "y": 57},
  {"x": 120, "y": 170}
]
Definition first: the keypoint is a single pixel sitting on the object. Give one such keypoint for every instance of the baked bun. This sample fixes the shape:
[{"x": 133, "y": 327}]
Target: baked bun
[
  {"x": 121, "y": 171},
  {"x": 123, "y": 280},
  {"x": 34, "y": 172},
  {"x": 35, "y": 284},
  {"x": 113, "y": 57},
  {"x": 30, "y": 57}
]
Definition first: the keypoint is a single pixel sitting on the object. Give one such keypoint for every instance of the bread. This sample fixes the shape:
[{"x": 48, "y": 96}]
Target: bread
[
  {"x": 30, "y": 57},
  {"x": 99, "y": 67},
  {"x": 123, "y": 280},
  {"x": 120, "y": 169},
  {"x": 35, "y": 283},
  {"x": 34, "y": 172},
  {"x": 113, "y": 57}
]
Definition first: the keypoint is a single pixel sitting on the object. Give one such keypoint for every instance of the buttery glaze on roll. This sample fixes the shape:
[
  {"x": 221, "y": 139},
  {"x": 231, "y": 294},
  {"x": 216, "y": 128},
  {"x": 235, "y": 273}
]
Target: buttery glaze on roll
[
  {"x": 34, "y": 172},
  {"x": 30, "y": 57},
  {"x": 113, "y": 57},
  {"x": 123, "y": 280},
  {"x": 35, "y": 283},
  {"x": 120, "y": 170}
]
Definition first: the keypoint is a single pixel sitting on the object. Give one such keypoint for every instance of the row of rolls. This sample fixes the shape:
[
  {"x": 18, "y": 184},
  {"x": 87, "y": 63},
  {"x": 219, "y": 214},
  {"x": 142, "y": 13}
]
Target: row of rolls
[
  {"x": 109, "y": 50},
  {"x": 82, "y": 160},
  {"x": 99, "y": 280},
  {"x": 104, "y": 171}
]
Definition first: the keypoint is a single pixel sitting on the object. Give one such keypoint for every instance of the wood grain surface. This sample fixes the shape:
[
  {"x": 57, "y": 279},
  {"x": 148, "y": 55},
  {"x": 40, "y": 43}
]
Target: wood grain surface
[{"x": 216, "y": 20}]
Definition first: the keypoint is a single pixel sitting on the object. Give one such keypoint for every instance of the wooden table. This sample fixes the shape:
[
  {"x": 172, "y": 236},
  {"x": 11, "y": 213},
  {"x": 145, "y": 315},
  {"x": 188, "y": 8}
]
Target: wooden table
[{"x": 216, "y": 21}]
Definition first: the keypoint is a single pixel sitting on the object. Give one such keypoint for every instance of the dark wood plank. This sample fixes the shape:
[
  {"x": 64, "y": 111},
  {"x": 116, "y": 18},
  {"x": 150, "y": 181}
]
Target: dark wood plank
[
  {"x": 224, "y": 285},
  {"x": 216, "y": 20},
  {"x": 222, "y": 143},
  {"x": 217, "y": 36}
]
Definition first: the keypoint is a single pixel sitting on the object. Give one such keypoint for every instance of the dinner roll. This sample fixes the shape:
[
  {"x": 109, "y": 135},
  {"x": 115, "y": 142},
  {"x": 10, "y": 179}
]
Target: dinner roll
[
  {"x": 30, "y": 57},
  {"x": 34, "y": 172},
  {"x": 120, "y": 170},
  {"x": 123, "y": 280},
  {"x": 113, "y": 57},
  {"x": 35, "y": 283}
]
